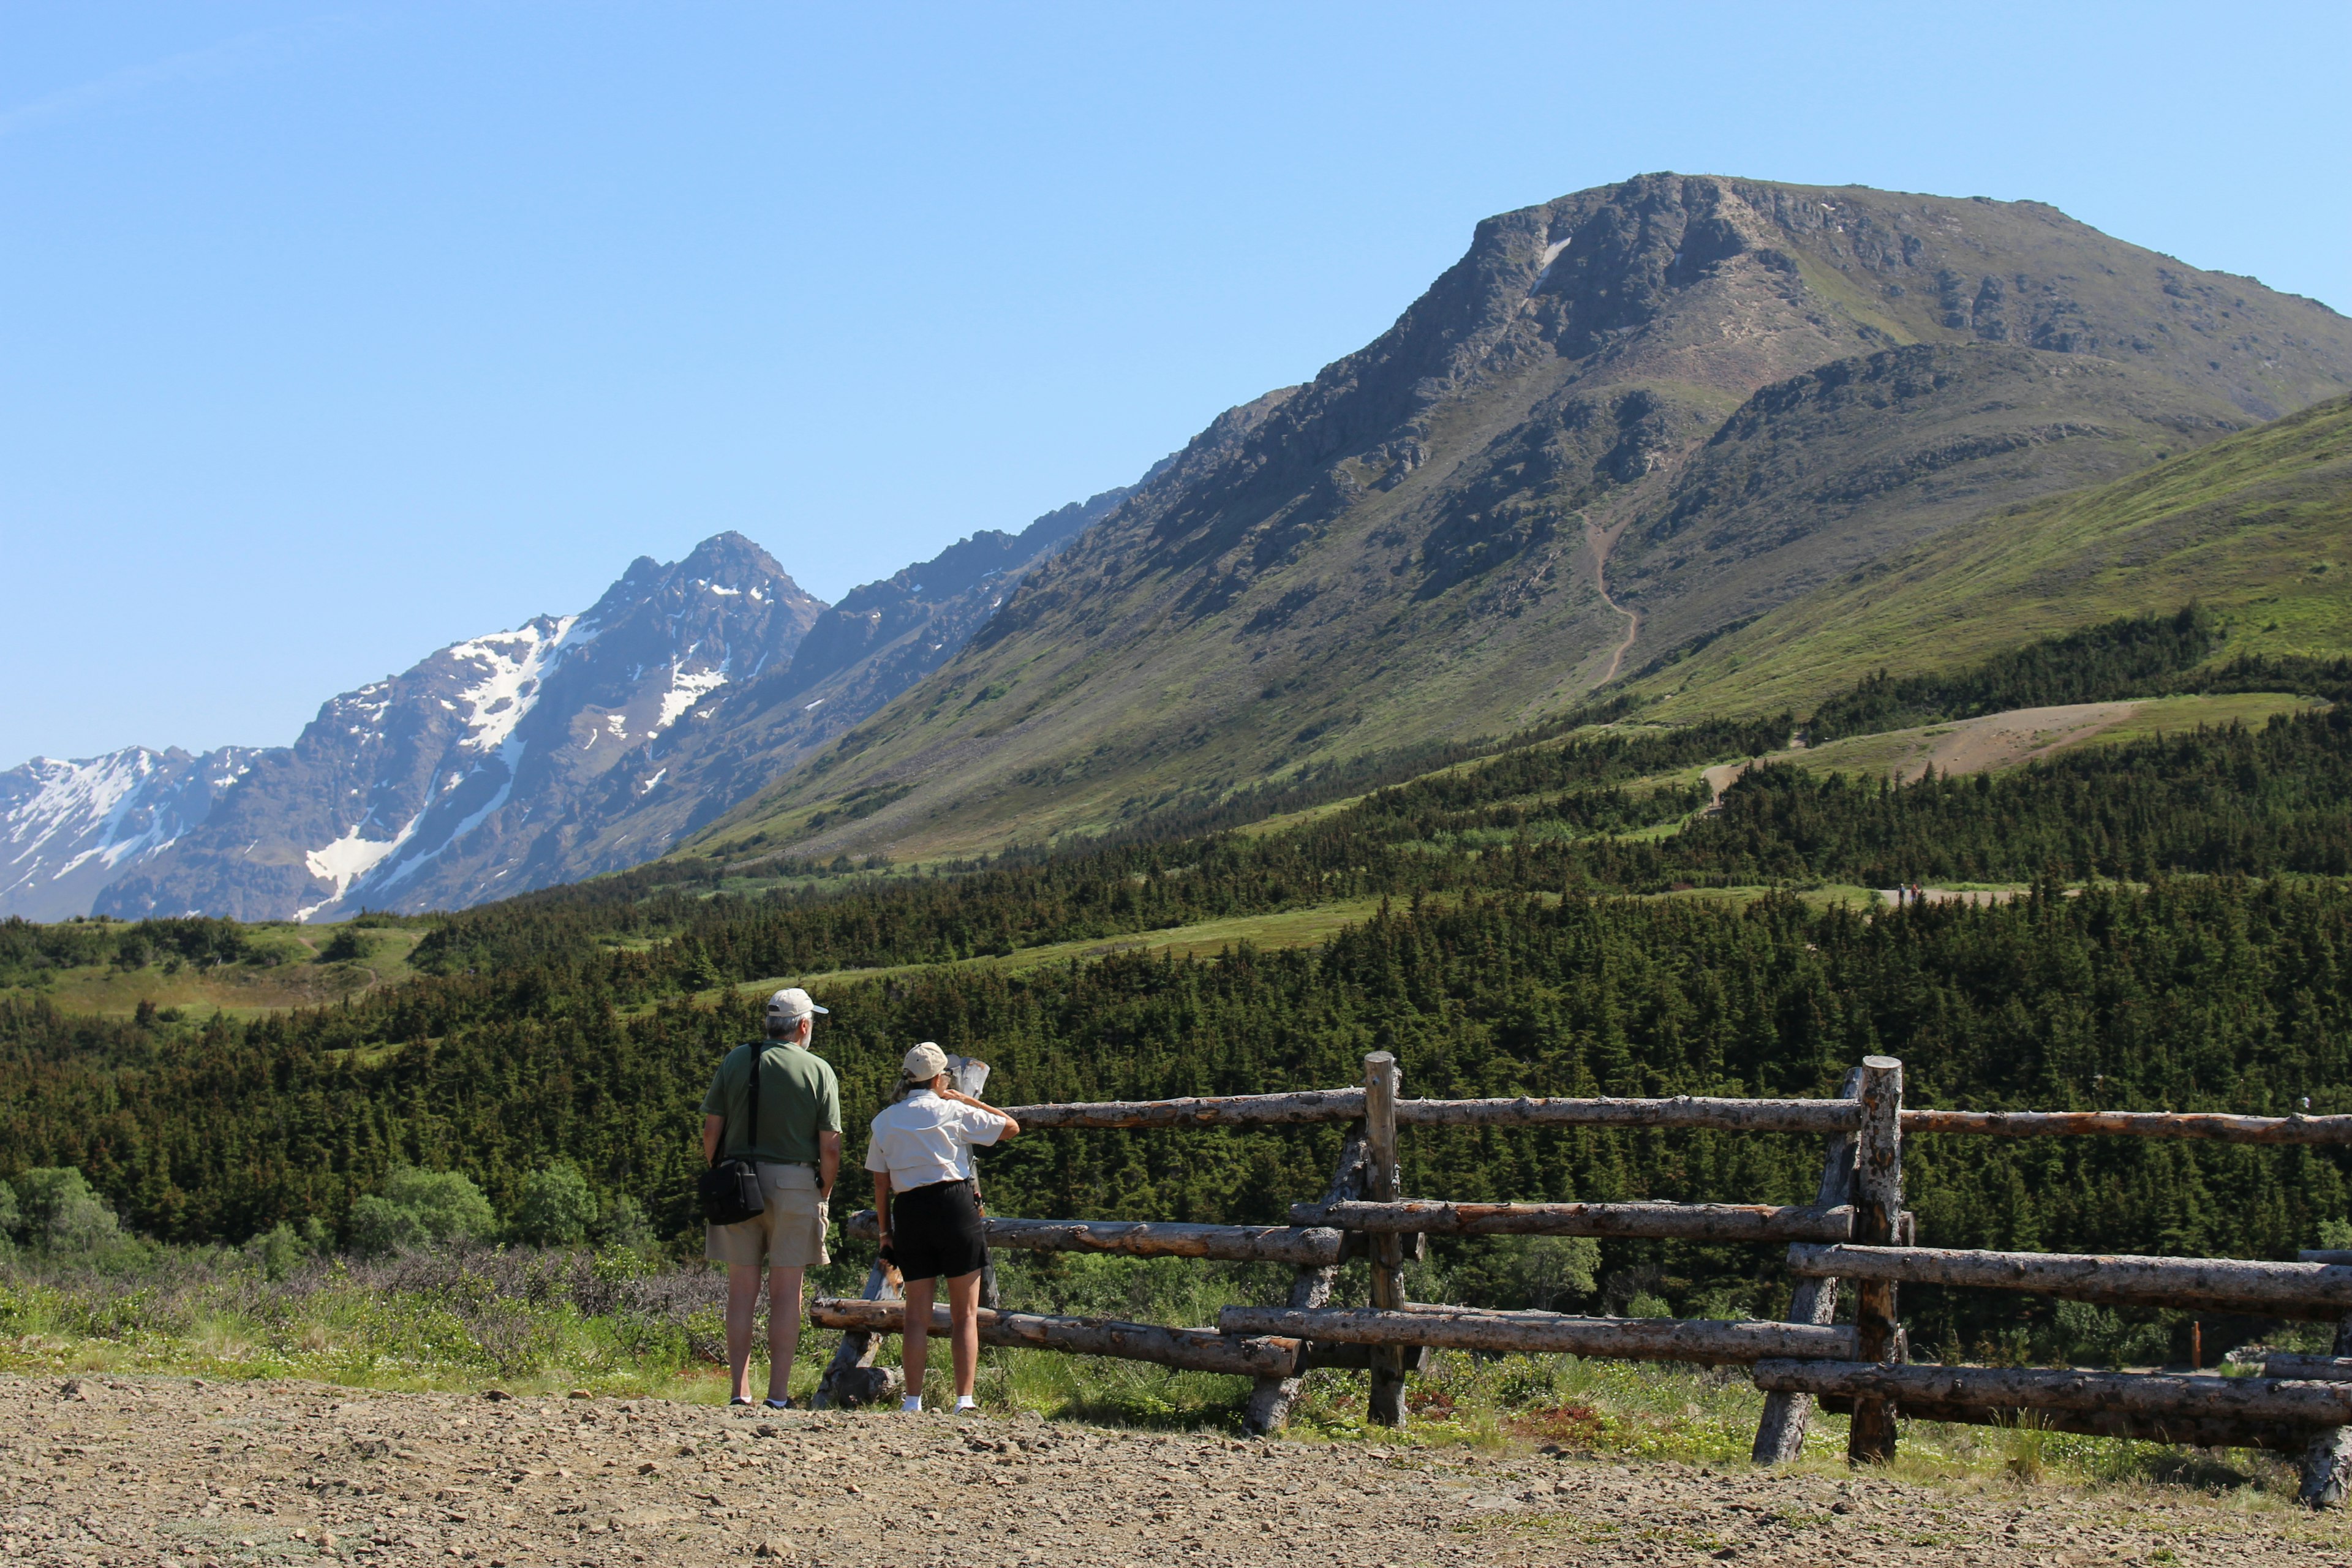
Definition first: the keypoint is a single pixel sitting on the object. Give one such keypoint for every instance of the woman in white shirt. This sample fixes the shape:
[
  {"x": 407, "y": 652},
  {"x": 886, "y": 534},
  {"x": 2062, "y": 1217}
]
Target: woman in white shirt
[{"x": 921, "y": 1157}]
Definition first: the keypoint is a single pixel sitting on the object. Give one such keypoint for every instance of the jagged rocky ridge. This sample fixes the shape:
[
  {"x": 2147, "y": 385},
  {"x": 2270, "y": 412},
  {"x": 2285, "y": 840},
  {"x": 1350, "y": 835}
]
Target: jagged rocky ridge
[
  {"x": 569, "y": 745},
  {"x": 68, "y": 828}
]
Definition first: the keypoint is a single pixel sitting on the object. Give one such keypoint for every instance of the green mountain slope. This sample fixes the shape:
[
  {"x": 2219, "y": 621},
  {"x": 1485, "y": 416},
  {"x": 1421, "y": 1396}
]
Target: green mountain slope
[
  {"x": 2258, "y": 528},
  {"x": 1745, "y": 390}
]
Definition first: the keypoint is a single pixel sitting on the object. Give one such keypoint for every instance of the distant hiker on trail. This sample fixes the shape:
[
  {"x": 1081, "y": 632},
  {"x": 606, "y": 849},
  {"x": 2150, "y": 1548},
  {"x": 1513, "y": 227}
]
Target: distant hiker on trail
[
  {"x": 921, "y": 1152},
  {"x": 794, "y": 1137}
]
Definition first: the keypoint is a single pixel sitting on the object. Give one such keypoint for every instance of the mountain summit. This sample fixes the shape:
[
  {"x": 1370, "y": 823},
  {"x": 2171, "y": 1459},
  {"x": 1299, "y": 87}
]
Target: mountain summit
[
  {"x": 569, "y": 745},
  {"x": 1624, "y": 421},
  {"x": 475, "y": 768}
]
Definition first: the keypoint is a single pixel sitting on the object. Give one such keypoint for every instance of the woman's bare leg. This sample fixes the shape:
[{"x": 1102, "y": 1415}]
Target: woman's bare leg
[
  {"x": 915, "y": 1345},
  {"x": 964, "y": 1320}
]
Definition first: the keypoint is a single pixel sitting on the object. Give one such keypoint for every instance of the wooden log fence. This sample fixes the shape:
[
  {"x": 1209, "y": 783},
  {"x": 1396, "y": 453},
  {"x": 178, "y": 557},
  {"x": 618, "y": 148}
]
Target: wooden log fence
[
  {"x": 1304, "y": 1246},
  {"x": 2196, "y": 1124},
  {"x": 2287, "y": 1402},
  {"x": 1689, "y": 1222},
  {"x": 1195, "y": 1350},
  {"x": 1855, "y": 1230},
  {"x": 2218, "y": 1284},
  {"x": 1700, "y": 1340},
  {"x": 1788, "y": 1415}
]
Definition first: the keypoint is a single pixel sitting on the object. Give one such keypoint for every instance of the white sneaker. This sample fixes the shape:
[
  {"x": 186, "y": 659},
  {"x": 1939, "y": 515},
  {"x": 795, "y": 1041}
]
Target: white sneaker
[
  {"x": 911, "y": 1405},
  {"x": 966, "y": 1402}
]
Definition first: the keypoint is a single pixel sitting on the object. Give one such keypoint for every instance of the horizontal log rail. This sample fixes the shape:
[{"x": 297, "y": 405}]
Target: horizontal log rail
[
  {"x": 2325, "y": 1255},
  {"x": 2199, "y": 1124},
  {"x": 1302, "y": 1246},
  {"x": 1627, "y": 1338},
  {"x": 1808, "y": 1116},
  {"x": 2284, "y": 1401},
  {"x": 1195, "y": 1350},
  {"x": 1309, "y": 1105},
  {"x": 1688, "y": 1222},
  {"x": 2315, "y": 1290},
  {"x": 2308, "y": 1368},
  {"x": 1816, "y": 1117}
]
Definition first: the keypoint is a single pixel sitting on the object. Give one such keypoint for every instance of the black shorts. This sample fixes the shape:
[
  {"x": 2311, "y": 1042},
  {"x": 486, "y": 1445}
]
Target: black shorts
[{"x": 935, "y": 1231}]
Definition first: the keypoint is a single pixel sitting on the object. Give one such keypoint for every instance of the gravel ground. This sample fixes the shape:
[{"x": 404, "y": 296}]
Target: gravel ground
[{"x": 189, "y": 1475}]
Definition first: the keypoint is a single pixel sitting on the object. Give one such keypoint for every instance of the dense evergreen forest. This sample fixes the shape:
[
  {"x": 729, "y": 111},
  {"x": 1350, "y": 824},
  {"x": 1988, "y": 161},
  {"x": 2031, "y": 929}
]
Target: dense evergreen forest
[{"x": 1541, "y": 932}]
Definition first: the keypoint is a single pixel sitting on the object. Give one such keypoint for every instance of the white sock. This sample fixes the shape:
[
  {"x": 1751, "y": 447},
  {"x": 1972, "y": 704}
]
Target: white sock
[
  {"x": 966, "y": 1402},
  {"x": 912, "y": 1404}
]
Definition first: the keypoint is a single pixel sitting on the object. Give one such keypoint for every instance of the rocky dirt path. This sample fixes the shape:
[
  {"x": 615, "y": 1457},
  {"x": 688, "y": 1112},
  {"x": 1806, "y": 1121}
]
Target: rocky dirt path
[{"x": 119, "y": 1471}]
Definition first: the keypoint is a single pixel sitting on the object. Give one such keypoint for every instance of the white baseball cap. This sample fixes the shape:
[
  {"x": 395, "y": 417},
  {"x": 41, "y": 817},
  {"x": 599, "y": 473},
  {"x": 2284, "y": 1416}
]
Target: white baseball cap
[
  {"x": 792, "y": 1004},
  {"x": 925, "y": 1062}
]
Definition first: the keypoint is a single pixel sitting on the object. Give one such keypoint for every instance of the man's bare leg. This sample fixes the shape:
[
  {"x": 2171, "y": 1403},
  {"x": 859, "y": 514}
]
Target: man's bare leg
[
  {"x": 742, "y": 1303},
  {"x": 963, "y": 1304},
  {"x": 915, "y": 1344},
  {"x": 784, "y": 1328}
]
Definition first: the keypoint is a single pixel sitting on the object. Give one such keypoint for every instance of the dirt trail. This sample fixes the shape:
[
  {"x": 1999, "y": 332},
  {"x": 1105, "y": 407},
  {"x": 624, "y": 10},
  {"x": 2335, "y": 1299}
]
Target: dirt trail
[
  {"x": 1600, "y": 542},
  {"x": 122, "y": 1472}
]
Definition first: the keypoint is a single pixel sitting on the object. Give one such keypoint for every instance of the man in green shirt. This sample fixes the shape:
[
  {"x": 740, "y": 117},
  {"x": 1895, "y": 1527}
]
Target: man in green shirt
[{"x": 796, "y": 1142}]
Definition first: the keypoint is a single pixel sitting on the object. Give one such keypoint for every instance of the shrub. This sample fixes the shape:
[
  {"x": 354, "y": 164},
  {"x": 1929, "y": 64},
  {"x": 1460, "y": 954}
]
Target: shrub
[
  {"x": 556, "y": 1209},
  {"x": 380, "y": 1228},
  {"x": 624, "y": 1225},
  {"x": 62, "y": 1213},
  {"x": 417, "y": 1208},
  {"x": 279, "y": 1251},
  {"x": 12, "y": 1214}
]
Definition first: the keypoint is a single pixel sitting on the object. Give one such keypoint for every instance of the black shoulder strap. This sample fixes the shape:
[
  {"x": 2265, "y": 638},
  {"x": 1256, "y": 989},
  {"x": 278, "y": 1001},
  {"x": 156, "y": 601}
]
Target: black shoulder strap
[{"x": 759, "y": 1049}]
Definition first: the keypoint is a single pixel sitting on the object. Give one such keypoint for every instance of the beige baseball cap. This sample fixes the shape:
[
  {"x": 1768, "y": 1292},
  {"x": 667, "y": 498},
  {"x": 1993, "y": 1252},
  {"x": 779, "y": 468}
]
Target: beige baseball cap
[
  {"x": 925, "y": 1062},
  {"x": 790, "y": 1005}
]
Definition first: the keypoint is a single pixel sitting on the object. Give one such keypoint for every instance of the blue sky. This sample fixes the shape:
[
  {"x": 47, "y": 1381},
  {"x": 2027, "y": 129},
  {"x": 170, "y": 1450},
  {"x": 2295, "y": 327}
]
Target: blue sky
[{"x": 336, "y": 333}]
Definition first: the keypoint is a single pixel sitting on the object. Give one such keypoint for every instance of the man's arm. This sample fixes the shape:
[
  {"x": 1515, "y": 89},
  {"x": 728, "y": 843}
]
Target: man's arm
[
  {"x": 882, "y": 1204},
  {"x": 828, "y": 1163},
  {"x": 712, "y": 1128}
]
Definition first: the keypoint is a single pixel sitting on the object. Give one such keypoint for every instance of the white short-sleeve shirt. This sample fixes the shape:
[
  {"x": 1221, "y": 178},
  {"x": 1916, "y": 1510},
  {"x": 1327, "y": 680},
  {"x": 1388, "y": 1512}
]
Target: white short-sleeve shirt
[{"x": 923, "y": 1140}]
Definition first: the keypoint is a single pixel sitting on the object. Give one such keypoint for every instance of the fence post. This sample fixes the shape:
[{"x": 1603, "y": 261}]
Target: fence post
[
  {"x": 1387, "y": 1250},
  {"x": 2327, "y": 1462},
  {"x": 1878, "y": 1211},
  {"x": 1271, "y": 1399},
  {"x": 1781, "y": 1434}
]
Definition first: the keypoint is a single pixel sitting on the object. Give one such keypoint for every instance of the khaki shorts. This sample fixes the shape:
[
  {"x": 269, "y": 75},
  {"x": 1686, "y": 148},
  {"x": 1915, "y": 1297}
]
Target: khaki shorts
[{"x": 789, "y": 1232}]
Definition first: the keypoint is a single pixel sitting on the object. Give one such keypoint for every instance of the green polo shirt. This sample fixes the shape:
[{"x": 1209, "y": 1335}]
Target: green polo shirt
[{"x": 798, "y": 1097}]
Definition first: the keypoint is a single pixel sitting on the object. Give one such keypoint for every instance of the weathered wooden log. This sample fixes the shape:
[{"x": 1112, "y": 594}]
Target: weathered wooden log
[
  {"x": 2326, "y": 1460},
  {"x": 2225, "y": 1284},
  {"x": 2308, "y": 1368},
  {"x": 1878, "y": 1218},
  {"x": 1806, "y": 1116},
  {"x": 1306, "y": 1248},
  {"x": 1696, "y": 1222},
  {"x": 2199, "y": 1124},
  {"x": 851, "y": 1378},
  {"x": 1271, "y": 1398},
  {"x": 1533, "y": 1334},
  {"x": 1781, "y": 1429},
  {"x": 1196, "y": 1349},
  {"x": 2194, "y": 1430},
  {"x": 2287, "y": 1403},
  {"x": 2325, "y": 1255},
  {"x": 1381, "y": 1080},
  {"x": 1220, "y": 1110}
]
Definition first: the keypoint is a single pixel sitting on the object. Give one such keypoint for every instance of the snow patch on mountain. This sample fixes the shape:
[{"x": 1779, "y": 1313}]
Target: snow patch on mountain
[
  {"x": 515, "y": 667},
  {"x": 69, "y": 827},
  {"x": 687, "y": 688}
]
